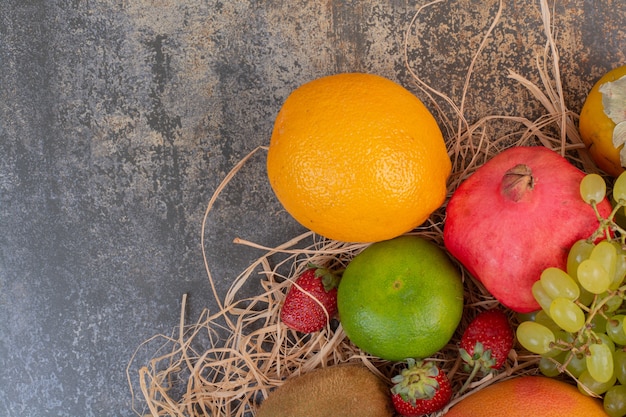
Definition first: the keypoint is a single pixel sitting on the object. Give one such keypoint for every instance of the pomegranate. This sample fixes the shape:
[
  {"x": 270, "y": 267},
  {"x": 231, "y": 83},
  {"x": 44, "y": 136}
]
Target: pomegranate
[{"x": 515, "y": 216}]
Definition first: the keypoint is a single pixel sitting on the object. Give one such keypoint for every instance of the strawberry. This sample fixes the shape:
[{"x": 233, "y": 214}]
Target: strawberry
[
  {"x": 421, "y": 388},
  {"x": 311, "y": 301},
  {"x": 485, "y": 343}
]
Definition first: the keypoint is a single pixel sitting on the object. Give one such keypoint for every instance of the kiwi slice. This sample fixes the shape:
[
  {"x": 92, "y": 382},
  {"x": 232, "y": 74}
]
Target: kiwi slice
[{"x": 338, "y": 391}]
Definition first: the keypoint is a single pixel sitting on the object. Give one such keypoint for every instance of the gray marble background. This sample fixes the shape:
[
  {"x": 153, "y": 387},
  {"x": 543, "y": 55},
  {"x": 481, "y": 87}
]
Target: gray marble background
[{"x": 118, "y": 119}]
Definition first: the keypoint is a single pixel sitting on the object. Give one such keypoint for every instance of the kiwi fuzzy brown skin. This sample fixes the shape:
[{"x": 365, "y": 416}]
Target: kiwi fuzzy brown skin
[{"x": 338, "y": 391}]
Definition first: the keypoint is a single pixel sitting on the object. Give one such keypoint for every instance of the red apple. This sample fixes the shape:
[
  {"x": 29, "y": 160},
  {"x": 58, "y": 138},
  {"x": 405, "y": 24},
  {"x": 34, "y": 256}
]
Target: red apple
[{"x": 516, "y": 215}]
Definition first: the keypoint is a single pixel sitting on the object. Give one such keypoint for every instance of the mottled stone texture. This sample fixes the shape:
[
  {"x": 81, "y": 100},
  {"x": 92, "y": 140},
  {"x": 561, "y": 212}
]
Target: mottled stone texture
[{"x": 118, "y": 119}]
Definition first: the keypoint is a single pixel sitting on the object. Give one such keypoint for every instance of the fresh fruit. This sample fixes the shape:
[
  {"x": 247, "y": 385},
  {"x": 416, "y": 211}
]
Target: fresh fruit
[
  {"x": 517, "y": 215},
  {"x": 357, "y": 157},
  {"x": 588, "y": 385},
  {"x": 525, "y": 396},
  {"x": 592, "y": 188},
  {"x": 619, "y": 362},
  {"x": 311, "y": 300},
  {"x": 581, "y": 335},
  {"x": 615, "y": 401},
  {"x": 400, "y": 298},
  {"x": 486, "y": 343},
  {"x": 619, "y": 189},
  {"x": 567, "y": 315},
  {"x": 535, "y": 337},
  {"x": 615, "y": 329},
  {"x": 557, "y": 283},
  {"x": 420, "y": 388},
  {"x": 602, "y": 121},
  {"x": 340, "y": 390},
  {"x": 600, "y": 362}
]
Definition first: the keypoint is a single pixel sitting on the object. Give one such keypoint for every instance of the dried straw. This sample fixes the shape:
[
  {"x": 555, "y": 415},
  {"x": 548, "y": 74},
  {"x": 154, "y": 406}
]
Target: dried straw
[{"x": 226, "y": 362}]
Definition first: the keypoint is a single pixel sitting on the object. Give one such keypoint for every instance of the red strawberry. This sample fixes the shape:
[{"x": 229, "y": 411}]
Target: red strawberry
[
  {"x": 311, "y": 300},
  {"x": 486, "y": 343},
  {"x": 421, "y": 388}
]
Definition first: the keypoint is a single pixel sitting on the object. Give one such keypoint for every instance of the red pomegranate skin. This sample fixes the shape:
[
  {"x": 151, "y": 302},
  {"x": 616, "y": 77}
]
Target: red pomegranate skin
[{"x": 505, "y": 243}]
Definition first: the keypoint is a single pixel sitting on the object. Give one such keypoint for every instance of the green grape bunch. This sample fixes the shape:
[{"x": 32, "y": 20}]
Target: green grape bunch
[{"x": 580, "y": 329}]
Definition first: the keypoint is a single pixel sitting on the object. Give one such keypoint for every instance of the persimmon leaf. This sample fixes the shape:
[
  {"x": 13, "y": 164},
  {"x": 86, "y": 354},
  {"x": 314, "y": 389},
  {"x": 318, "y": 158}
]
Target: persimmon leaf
[
  {"x": 619, "y": 138},
  {"x": 614, "y": 99}
]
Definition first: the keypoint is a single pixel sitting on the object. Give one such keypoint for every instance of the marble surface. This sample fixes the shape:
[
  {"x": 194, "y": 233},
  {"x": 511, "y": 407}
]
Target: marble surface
[{"x": 118, "y": 120}]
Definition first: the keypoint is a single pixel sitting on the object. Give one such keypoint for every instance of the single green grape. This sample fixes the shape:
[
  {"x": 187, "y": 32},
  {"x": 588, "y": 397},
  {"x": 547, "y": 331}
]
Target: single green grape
[
  {"x": 611, "y": 302},
  {"x": 542, "y": 317},
  {"x": 558, "y": 283},
  {"x": 577, "y": 365},
  {"x": 580, "y": 250},
  {"x": 615, "y": 329},
  {"x": 550, "y": 366},
  {"x": 615, "y": 401},
  {"x": 541, "y": 296},
  {"x": 619, "y": 187},
  {"x": 586, "y": 297},
  {"x": 567, "y": 315},
  {"x": 620, "y": 265},
  {"x": 593, "y": 277},
  {"x": 592, "y": 188},
  {"x": 607, "y": 341},
  {"x": 594, "y": 386},
  {"x": 606, "y": 254},
  {"x": 598, "y": 323},
  {"x": 619, "y": 365},
  {"x": 600, "y": 362},
  {"x": 535, "y": 337}
]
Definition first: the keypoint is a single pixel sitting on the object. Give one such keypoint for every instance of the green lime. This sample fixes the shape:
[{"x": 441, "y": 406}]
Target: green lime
[{"x": 401, "y": 298}]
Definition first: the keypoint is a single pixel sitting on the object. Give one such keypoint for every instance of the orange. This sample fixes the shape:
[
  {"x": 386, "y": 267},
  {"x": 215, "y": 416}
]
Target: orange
[
  {"x": 596, "y": 127},
  {"x": 357, "y": 157},
  {"x": 400, "y": 298},
  {"x": 524, "y": 396}
]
